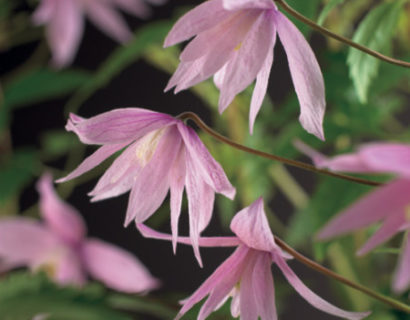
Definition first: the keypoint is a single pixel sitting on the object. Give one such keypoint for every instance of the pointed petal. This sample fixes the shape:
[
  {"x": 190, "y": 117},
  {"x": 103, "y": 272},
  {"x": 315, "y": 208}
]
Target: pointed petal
[
  {"x": 248, "y": 4},
  {"x": 402, "y": 276},
  {"x": 117, "y": 126},
  {"x": 44, "y": 12},
  {"x": 108, "y": 20},
  {"x": 93, "y": 160},
  {"x": 261, "y": 85},
  {"x": 152, "y": 184},
  {"x": 390, "y": 227},
  {"x": 65, "y": 221},
  {"x": 371, "y": 208},
  {"x": 311, "y": 297},
  {"x": 387, "y": 157},
  {"x": 205, "y": 164},
  {"x": 177, "y": 183},
  {"x": 147, "y": 232},
  {"x": 202, "y": 17},
  {"x": 117, "y": 268},
  {"x": 23, "y": 240},
  {"x": 135, "y": 7},
  {"x": 248, "y": 60},
  {"x": 219, "y": 76},
  {"x": 252, "y": 227},
  {"x": 306, "y": 75}
]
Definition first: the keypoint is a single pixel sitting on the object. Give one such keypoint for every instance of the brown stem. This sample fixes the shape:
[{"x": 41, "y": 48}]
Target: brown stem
[
  {"x": 319, "y": 268},
  {"x": 194, "y": 117},
  {"x": 349, "y": 42}
]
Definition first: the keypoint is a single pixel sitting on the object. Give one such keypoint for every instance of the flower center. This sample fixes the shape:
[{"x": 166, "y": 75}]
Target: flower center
[{"x": 147, "y": 145}]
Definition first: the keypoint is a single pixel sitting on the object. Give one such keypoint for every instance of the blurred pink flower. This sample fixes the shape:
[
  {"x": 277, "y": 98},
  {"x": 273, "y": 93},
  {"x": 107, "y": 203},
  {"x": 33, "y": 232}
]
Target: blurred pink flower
[
  {"x": 162, "y": 154},
  {"x": 65, "y": 22},
  {"x": 246, "y": 275},
  {"x": 389, "y": 203},
  {"x": 234, "y": 42},
  {"x": 59, "y": 247}
]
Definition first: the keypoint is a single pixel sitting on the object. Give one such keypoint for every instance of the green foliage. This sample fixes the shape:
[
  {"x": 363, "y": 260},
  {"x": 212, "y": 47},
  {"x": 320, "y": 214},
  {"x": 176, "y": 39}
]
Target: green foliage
[
  {"x": 327, "y": 9},
  {"x": 308, "y": 9},
  {"x": 22, "y": 296},
  {"x": 374, "y": 32}
]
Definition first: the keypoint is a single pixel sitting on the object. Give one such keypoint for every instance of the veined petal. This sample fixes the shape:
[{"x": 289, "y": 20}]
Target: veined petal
[
  {"x": 118, "y": 126},
  {"x": 152, "y": 184},
  {"x": 369, "y": 209},
  {"x": 202, "y": 17},
  {"x": 311, "y": 297},
  {"x": 248, "y": 60},
  {"x": 23, "y": 240},
  {"x": 402, "y": 276},
  {"x": 136, "y": 7},
  {"x": 93, "y": 160},
  {"x": 247, "y": 300},
  {"x": 306, "y": 75},
  {"x": 248, "y": 4},
  {"x": 108, "y": 20},
  {"x": 252, "y": 227},
  {"x": 205, "y": 164},
  {"x": 117, "y": 268},
  {"x": 65, "y": 221},
  {"x": 388, "y": 157},
  {"x": 261, "y": 85},
  {"x": 147, "y": 232},
  {"x": 389, "y": 228}
]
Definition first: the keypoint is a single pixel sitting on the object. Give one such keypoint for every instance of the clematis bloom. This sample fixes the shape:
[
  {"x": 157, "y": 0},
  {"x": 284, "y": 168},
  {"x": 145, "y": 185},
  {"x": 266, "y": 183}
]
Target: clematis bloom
[
  {"x": 161, "y": 154},
  {"x": 234, "y": 41},
  {"x": 65, "y": 22},
  {"x": 246, "y": 275},
  {"x": 60, "y": 248},
  {"x": 389, "y": 203}
]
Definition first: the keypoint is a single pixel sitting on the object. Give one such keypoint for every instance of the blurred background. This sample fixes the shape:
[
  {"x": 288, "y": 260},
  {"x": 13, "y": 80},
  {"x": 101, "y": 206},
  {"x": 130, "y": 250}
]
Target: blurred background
[{"x": 36, "y": 100}]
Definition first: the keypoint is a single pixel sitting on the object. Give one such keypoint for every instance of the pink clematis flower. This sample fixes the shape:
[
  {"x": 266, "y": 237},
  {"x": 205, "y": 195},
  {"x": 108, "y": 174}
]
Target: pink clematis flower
[
  {"x": 162, "y": 154},
  {"x": 234, "y": 42},
  {"x": 60, "y": 248},
  {"x": 389, "y": 203},
  {"x": 65, "y": 22},
  {"x": 246, "y": 275}
]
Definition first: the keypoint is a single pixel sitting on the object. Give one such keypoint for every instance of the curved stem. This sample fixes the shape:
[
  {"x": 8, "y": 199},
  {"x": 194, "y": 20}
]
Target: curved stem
[
  {"x": 319, "y": 268},
  {"x": 192, "y": 116},
  {"x": 349, "y": 42}
]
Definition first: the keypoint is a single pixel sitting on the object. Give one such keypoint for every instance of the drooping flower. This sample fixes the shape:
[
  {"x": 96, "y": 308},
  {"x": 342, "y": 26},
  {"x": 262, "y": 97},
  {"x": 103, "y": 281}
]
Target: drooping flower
[
  {"x": 161, "y": 154},
  {"x": 389, "y": 203},
  {"x": 234, "y": 42},
  {"x": 59, "y": 247},
  {"x": 246, "y": 275},
  {"x": 65, "y": 22}
]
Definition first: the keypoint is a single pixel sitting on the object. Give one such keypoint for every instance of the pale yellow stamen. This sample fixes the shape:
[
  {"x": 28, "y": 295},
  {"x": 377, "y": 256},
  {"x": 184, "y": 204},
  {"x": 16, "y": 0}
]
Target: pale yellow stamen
[{"x": 147, "y": 145}]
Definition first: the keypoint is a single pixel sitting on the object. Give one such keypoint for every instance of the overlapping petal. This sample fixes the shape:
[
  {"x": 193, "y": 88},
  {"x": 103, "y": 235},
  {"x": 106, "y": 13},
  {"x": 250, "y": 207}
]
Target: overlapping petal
[{"x": 402, "y": 276}]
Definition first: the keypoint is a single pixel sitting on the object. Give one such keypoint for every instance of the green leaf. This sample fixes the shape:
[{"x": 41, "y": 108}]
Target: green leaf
[
  {"x": 327, "y": 9},
  {"x": 119, "y": 60},
  {"x": 374, "y": 32}
]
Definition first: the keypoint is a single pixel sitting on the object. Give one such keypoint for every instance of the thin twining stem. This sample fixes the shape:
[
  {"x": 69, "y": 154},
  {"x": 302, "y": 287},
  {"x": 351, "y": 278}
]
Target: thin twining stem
[
  {"x": 194, "y": 117},
  {"x": 329, "y": 273},
  {"x": 349, "y": 42}
]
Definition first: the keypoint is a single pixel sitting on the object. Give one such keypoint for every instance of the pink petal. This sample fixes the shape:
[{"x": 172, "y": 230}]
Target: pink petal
[
  {"x": 64, "y": 31},
  {"x": 118, "y": 126},
  {"x": 248, "y": 4},
  {"x": 390, "y": 227},
  {"x": 311, "y": 297},
  {"x": 147, "y": 232},
  {"x": 108, "y": 20},
  {"x": 387, "y": 157},
  {"x": 306, "y": 75},
  {"x": 252, "y": 227},
  {"x": 44, "y": 12},
  {"x": 23, "y": 240},
  {"x": 136, "y": 7},
  {"x": 248, "y": 60},
  {"x": 117, "y": 268},
  {"x": 210, "y": 170},
  {"x": 177, "y": 183},
  {"x": 93, "y": 160},
  {"x": 70, "y": 268},
  {"x": 202, "y": 17},
  {"x": 247, "y": 299},
  {"x": 402, "y": 276},
  {"x": 152, "y": 184},
  {"x": 65, "y": 221},
  {"x": 369, "y": 209},
  {"x": 261, "y": 85}
]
